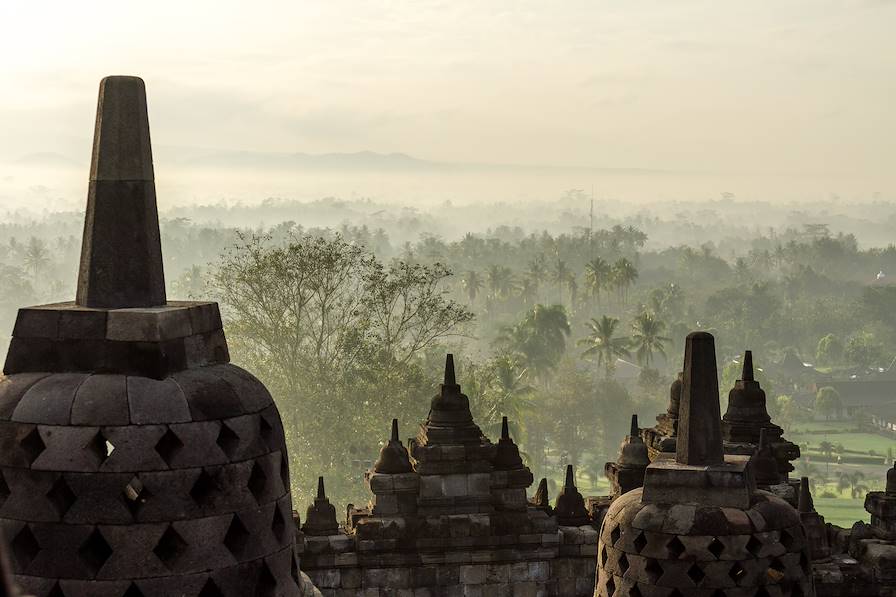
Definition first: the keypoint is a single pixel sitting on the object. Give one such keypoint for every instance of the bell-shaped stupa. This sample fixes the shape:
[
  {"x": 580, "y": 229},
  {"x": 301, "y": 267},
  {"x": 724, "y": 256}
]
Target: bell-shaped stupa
[
  {"x": 138, "y": 460},
  {"x": 699, "y": 526}
]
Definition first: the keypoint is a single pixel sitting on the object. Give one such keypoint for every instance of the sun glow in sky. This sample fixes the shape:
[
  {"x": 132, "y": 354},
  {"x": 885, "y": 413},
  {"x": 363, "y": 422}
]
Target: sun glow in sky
[{"x": 802, "y": 87}]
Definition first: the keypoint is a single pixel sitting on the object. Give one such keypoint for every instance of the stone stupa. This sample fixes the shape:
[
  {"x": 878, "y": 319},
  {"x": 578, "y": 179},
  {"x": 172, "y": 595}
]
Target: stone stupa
[
  {"x": 135, "y": 460},
  {"x": 699, "y": 526}
]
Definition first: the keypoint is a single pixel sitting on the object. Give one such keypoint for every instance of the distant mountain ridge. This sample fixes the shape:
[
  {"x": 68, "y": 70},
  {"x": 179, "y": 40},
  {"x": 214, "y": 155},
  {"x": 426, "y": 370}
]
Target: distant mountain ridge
[
  {"x": 361, "y": 160},
  {"x": 352, "y": 161}
]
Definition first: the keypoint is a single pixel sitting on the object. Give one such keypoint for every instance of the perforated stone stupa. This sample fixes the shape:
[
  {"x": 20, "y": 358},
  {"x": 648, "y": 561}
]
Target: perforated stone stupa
[
  {"x": 699, "y": 526},
  {"x": 135, "y": 460}
]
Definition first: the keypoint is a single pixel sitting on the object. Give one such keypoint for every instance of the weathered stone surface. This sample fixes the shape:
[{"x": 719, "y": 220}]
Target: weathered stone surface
[
  {"x": 699, "y": 441},
  {"x": 321, "y": 517},
  {"x": 699, "y": 526},
  {"x": 121, "y": 256},
  {"x": 134, "y": 459}
]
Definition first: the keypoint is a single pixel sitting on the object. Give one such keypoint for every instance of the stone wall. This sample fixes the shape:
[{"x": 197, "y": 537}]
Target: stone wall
[{"x": 464, "y": 563}]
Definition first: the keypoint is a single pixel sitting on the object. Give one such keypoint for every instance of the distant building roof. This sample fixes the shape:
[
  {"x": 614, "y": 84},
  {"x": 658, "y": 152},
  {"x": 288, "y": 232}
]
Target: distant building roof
[{"x": 865, "y": 392}]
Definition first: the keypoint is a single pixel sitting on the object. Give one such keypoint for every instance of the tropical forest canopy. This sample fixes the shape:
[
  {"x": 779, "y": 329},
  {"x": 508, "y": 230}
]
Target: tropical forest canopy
[{"x": 565, "y": 320}]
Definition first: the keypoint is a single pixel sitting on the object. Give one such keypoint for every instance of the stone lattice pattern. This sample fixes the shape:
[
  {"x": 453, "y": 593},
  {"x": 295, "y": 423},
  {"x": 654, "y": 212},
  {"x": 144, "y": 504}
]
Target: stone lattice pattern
[
  {"x": 683, "y": 550},
  {"x": 135, "y": 461},
  {"x": 179, "y": 485}
]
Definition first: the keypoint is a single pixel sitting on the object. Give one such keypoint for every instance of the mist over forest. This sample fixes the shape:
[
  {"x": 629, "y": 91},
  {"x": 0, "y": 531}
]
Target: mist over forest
[{"x": 565, "y": 318}]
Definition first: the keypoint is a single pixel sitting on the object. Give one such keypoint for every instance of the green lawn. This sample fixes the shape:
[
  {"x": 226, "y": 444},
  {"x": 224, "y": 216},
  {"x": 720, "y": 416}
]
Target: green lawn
[
  {"x": 842, "y": 512},
  {"x": 861, "y": 442},
  {"x": 817, "y": 426}
]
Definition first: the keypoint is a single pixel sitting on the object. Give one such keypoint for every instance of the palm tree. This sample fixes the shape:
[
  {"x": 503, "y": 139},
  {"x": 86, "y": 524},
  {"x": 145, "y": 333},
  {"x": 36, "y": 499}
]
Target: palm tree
[
  {"x": 560, "y": 274},
  {"x": 528, "y": 290},
  {"x": 603, "y": 345},
  {"x": 192, "y": 282},
  {"x": 853, "y": 482},
  {"x": 624, "y": 275},
  {"x": 647, "y": 337},
  {"x": 540, "y": 338},
  {"x": 537, "y": 270},
  {"x": 36, "y": 256},
  {"x": 473, "y": 283},
  {"x": 597, "y": 275},
  {"x": 507, "y": 393},
  {"x": 573, "y": 285},
  {"x": 804, "y": 468},
  {"x": 500, "y": 280},
  {"x": 826, "y": 448}
]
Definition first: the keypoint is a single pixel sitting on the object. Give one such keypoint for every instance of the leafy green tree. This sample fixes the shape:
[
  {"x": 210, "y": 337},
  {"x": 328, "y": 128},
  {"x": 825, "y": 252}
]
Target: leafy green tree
[
  {"x": 574, "y": 410},
  {"x": 827, "y": 402},
  {"x": 863, "y": 350},
  {"x": 603, "y": 345},
  {"x": 322, "y": 322},
  {"x": 540, "y": 339},
  {"x": 784, "y": 411},
  {"x": 829, "y": 350}
]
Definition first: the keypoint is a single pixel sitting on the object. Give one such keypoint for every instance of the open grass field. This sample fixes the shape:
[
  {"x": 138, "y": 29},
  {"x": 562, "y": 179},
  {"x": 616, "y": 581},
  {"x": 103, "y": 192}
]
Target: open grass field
[
  {"x": 860, "y": 442},
  {"x": 821, "y": 426},
  {"x": 842, "y": 512}
]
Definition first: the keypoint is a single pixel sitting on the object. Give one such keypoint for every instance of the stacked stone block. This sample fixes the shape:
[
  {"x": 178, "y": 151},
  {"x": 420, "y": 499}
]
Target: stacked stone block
[
  {"x": 469, "y": 529},
  {"x": 627, "y": 473},
  {"x": 813, "y": 524},
  {"x": 747, "y": 418},
  {"x": 451, "y": 455},
  {"x": 660, "y": 439}
]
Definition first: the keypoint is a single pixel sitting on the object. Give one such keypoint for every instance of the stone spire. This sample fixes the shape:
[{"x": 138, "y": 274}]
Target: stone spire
[
  {"x": 747, "y": 412},
  {"x": 675, "y": 397},
  {"x": 765, "y": 467},
  {"x": 450, "y": 419},
  {"x": 452, "y": 456},
  {"x": 450, "y": 380},
  {"x": 121, "y": 252},
  {"x": 805, "y": 503},
  {"x": 570, "y": 505},
  {"x": 393, "y": 458},
  {"x": 699, "y": 428},
  {"x": 321, "y": 516},
  {"x": 149, "y": 380},
  {"x": 891, "y": 480},
  {"x": 633, "y": 451},
  {"x": 813, "y": 524},
  {"x": 507, "y": 456},
  {"x": 541, "y": 500},
  {"x": 627, "y": 472}
]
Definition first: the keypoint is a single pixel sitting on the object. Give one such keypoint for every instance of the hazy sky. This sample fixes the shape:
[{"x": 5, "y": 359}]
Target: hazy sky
[{"x": 761, "y": 86}]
